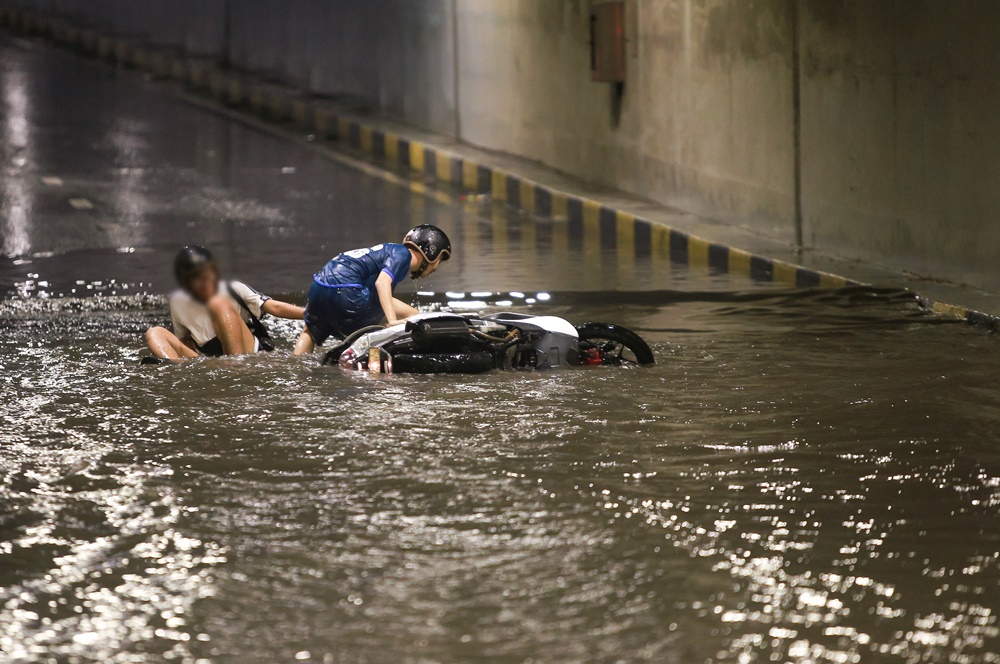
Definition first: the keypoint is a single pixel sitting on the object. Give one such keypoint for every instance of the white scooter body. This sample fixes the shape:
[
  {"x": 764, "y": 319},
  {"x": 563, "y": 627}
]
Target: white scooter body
[
  {"x": 554, "y": 346},
  {"x": 554, "y": 338}
]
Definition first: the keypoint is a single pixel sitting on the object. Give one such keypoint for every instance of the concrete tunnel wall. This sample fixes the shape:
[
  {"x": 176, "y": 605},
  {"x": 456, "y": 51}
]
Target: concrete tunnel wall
[
  {"x": 901, "y": 134},
  {"x": 896, "y": 101}
]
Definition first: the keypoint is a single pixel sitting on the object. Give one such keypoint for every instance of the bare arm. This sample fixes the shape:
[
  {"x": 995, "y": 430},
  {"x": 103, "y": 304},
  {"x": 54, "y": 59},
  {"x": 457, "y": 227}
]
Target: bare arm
[
  {"x": 282, "y": 309},
  {"x": 383, "y": 286}
]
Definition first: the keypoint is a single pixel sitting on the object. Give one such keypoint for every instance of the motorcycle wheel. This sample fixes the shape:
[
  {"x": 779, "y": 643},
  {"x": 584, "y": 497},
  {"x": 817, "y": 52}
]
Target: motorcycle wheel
[{"x": 617, "y": 345}]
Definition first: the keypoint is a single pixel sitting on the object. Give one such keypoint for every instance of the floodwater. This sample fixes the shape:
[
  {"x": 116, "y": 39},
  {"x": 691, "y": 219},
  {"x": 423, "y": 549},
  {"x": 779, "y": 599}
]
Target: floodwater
[{"x": 804, "y": 476}]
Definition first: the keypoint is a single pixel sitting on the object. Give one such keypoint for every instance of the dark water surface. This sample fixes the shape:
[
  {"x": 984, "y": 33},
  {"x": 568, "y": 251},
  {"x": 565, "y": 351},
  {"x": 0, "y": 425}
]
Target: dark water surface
[{"x": 804, "y": 476}]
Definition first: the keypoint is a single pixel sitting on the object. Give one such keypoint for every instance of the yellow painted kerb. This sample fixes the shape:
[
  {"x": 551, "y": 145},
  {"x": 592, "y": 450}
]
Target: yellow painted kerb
[
  {"x": 392, "y": 148},
  {"x": 443, "y": 167},
  {"x": 660, "y": 239},
  {"x": 625, "y": 227},
  {"x": 785, "y": 272},
  {"x": 697, "y": 251},
  {"x": 498, "y": 184},
  {"x": 417, "y": 156},
  {"x": 367, "y": 139},
  {"x": 739, "y": 262},
  {"x": 831, "y": 280},
  {"x": 527, "y": 193},
  {"x": 470, "y": 175},
  {"x": 949, "y": 310}
]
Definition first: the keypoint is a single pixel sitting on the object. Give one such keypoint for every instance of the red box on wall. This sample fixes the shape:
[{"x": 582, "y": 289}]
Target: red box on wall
[{"x": 607, "y": 41}]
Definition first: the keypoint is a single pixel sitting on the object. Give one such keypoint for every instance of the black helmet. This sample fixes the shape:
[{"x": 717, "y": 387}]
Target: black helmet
[
  {"x": 430, "y": 241},
  {"x": 190, "y": 261}
]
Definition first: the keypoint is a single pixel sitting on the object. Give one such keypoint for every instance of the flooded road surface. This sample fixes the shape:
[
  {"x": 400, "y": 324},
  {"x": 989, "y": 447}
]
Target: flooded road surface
[{"x": 804, "y": 476}]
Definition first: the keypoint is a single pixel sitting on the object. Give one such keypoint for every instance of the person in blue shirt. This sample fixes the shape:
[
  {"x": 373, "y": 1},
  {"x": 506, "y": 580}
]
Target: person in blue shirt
[{"x": 354, "y": 289}]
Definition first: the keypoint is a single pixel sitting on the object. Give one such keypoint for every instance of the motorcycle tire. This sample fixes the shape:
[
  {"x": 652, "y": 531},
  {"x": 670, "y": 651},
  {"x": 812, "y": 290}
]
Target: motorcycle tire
[
  {"x": 443, "y": 363},
  {"x": 616, "y": 337}
]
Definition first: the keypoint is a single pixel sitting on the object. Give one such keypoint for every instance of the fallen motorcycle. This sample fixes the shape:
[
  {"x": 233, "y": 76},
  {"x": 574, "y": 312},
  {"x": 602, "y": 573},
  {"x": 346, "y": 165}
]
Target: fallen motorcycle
[{"x": 451, "y": 343}]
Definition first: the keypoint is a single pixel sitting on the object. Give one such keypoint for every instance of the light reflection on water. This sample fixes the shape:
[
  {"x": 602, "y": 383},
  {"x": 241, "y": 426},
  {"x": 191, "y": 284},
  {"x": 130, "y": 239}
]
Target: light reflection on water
[
  {"x": 803, "y": 477},
  {"x": 782, "y": 486}
]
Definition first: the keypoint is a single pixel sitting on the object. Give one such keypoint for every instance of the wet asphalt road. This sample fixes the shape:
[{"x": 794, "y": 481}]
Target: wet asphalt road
[{"x": 803, "y": 477}]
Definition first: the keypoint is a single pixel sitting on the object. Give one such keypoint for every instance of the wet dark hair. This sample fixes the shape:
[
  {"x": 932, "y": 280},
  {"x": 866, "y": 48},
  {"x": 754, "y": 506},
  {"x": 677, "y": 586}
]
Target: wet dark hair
[{"x": 190, "y": 261}]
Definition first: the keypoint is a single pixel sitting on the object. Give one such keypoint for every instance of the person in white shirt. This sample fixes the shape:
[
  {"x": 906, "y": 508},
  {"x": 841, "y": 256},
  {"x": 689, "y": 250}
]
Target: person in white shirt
[{"x": 214, "y": 317}]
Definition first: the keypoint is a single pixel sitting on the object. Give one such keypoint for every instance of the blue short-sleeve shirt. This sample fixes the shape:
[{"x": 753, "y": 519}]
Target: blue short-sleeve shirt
[{"x": 361, "y": 267}]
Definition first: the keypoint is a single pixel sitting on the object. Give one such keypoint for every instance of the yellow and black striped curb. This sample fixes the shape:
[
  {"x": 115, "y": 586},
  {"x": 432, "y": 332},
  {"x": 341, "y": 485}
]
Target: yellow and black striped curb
[
  {"x": 971, "y": 316},
  {"x": 589, "y": 221}
]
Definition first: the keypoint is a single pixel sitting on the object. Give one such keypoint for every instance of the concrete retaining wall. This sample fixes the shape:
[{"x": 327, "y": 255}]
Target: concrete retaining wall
[
  {"x": 394, "y": 56},
  {"x": 196, "y": 26},
  {"x": 898, "y": 129},
  {"x": 901, "y": 134},
  {"x": 706, "y": 117}
]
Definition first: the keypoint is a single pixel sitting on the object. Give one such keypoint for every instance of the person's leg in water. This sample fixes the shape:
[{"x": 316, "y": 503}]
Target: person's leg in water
[
  {"x": 304, "y": 344},
  {"x": 166, "y": 345},
  {"x": 230, "y": 329},
  {"x": 321, "y": 306},
  {"x": 232, "y": 332}
]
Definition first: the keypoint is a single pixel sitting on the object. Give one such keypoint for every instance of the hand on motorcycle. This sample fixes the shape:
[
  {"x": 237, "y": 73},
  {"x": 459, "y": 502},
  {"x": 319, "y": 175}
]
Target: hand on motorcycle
[{"x": 395, "y": 311}]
